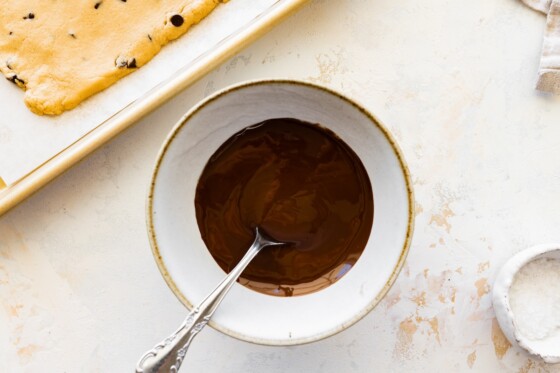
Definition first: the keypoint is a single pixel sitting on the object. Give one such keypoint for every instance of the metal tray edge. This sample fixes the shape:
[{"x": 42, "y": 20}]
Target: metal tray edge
[{"x": 18, "y": 191}]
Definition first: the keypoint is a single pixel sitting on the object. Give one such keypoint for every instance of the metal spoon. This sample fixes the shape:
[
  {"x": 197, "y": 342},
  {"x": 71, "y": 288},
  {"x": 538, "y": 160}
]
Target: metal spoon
[{"x": 168, "y": 355}]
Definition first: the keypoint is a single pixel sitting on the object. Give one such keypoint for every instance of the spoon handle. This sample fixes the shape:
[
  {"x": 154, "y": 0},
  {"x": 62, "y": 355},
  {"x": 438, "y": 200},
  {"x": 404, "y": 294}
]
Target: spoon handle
[{"x": 168, "y": 355}]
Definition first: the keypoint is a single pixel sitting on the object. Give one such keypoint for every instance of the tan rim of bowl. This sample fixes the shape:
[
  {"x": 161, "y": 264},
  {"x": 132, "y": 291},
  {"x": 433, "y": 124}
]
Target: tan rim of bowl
[{"x": 169, "y": 280}]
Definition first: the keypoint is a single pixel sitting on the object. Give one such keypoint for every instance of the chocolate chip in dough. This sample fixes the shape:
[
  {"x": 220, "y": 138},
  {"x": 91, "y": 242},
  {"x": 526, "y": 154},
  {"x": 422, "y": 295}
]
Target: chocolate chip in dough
[
  {"x": 17, "y": 81},
  {"x": 121, "y": 62},
  {"x": 177, "y": 20},
  {"x": 131, "y": 64},
  {"x": 72, "y": 35},
  {"x": 29, "y": 16},
  {"x": 150, "y": 37},
  {"x": 96, "y": 6}
]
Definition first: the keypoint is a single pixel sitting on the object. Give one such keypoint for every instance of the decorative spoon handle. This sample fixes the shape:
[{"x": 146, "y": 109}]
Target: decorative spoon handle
[{"x": 168, "y": 355}]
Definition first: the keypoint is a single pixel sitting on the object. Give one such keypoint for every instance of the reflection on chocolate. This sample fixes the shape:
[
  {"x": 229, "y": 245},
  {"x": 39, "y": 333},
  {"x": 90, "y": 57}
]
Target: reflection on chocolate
[{"x": 301, "y": 184}]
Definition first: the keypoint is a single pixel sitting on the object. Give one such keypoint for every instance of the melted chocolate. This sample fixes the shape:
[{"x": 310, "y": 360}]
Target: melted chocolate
[{"x": 302, "y": 185}]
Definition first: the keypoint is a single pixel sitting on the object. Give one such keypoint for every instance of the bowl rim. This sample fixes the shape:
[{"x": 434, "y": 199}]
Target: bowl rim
[{"x": 153, "y": 239}]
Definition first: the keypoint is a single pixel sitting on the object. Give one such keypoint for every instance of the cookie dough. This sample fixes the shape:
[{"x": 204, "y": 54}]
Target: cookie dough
[{"x": 61, "y": 52}]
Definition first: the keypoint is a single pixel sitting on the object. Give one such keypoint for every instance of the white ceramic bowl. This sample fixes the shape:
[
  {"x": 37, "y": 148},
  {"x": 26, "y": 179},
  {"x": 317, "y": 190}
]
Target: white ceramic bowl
[
  {"x": 190, "y": 270},
  {"x": 548, "y": 350}
]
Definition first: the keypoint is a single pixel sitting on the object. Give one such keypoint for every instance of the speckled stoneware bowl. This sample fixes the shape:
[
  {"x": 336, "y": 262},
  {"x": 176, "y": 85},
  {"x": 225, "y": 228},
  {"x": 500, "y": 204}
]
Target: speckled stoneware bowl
[
  {"x": 548, "y": 350},
  {"x": 190, "y": 270}
]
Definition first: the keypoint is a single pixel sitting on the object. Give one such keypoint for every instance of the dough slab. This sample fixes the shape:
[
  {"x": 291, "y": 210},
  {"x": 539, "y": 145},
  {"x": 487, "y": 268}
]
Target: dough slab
[{"x": 61, "y": 52}]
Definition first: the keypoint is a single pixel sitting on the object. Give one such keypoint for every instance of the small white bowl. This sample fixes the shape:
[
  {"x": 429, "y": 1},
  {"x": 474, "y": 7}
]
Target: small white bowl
[
  {"x": 190, "y": 270},
  {"x": 549, "y": 350}
]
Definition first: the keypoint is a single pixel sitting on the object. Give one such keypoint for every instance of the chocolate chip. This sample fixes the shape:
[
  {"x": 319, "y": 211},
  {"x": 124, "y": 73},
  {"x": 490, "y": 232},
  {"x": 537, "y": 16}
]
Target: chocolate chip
[
  {"x": 10, "y": 33},
  {"x": 121, "y": 62},
  {"x": 8, "y": 65},
  {"x": 131, "y": 64},
  {"x": 124, "y": 1},
  {"x": 29, "y": 16},
  {"x": 14, "y": 79},
  {"x": 96, "y": 6},
  {"x": 150, "y": 37},
  {"x": 177, "y": 20},
  {"x": 72, "y": 35}
]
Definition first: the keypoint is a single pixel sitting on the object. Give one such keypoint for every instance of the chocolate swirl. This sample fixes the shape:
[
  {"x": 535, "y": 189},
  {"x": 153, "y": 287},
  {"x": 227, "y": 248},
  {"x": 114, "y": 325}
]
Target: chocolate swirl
[{"x": 301, "y": 184}]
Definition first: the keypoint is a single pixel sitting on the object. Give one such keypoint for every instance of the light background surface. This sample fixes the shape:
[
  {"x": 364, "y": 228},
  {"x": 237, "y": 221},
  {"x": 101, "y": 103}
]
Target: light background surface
[{"x": 453, "y": 81}]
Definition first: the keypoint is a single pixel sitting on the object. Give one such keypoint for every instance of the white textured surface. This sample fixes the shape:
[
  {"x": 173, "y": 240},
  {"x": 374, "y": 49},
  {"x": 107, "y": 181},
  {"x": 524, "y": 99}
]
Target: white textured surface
[{"x": 453, "y": 82}]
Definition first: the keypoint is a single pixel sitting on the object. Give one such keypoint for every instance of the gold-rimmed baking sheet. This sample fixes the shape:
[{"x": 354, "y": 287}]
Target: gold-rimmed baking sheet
[{"x": 35, "y": 149}]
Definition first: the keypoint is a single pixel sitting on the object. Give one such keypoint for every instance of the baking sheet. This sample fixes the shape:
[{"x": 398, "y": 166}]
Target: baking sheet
[{"x": 28, "y": 140}]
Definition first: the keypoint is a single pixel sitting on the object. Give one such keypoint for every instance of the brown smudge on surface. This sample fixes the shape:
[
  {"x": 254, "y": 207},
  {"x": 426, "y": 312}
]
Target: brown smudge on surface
[
  {"x": 439, "y": 284},
  {"x": 441, "y": 241},
  {"x": 426, "y": 271},
  {"x": 408, "y": 327},
  {"x": 329, "y": 65},
  {"x": 25, "y": 353},
  {"x": 7, "y": 236},
  {"x": 527, "y": 366},
  {"x": 13, "y": 310},
  {"x": 483, "y": 267},
  {"x": 5, "y": 255},
  {"x": 482, "y": 287},
  {"x": 434, "y": 325},
  {"x": 405, "y": 334},
  {"x": 11, "y": 235},
  {"x": 450, "y": 297},
  {"x": 501, "y": 344},
  {"x": 453, "y": 294},
  {"x": 420, "y": 299},
  {"x": 418, "y": 209},
  {"x": 411, "y": 95},
  {"x": 532, "y": 365},
  {"x": 459, "y": 270},
  {"x": 432, "y": 246},
  {"x": 477, "y": 316},
  {"x": 392, "y": 299},
  {"x": 441, "y": 219},
  {"x": 471, "y": 358},
  {"x": 18, "y": 331},
  {"x": 436, "y": 282}
]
